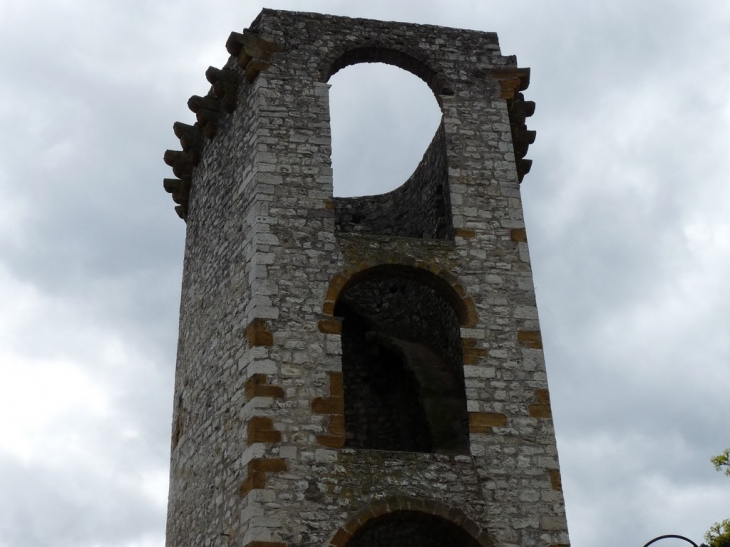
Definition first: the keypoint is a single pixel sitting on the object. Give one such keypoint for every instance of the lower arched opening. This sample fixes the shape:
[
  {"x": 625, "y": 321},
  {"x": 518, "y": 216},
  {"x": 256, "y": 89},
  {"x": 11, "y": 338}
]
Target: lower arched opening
[
  {"x": 411, "y": 529},
  {"x": 402, "y": 363}
]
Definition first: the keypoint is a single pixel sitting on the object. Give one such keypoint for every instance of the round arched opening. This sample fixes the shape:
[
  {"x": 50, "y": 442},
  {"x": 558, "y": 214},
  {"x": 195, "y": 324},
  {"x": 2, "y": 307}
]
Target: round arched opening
[
  {"x": 390, "y": 174},
  {"x": 402, "y": 362},
  {"x": 411, "y": 529},
  {"x": 383, "y": 120}
]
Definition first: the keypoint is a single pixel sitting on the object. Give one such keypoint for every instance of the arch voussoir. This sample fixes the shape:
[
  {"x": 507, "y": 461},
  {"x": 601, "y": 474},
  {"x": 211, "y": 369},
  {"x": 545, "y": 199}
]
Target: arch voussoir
[
  {"x": 395, "y": 55},
  {"x": 419, "y": 509},
  {"x": 464, "y": 307}
]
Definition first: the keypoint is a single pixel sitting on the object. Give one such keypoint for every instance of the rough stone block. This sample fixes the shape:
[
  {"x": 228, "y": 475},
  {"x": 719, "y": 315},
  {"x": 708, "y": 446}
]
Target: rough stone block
[
  {"x": 328, "y": 405},
  {"x": 483, "y": 422},
  {"x": 556, "y": 482},
  {"x": 256, "y": 387},
  {"x": 530, "y": 339},
  {"x": 330, "y": 326},
  {"x": 258, "y": 334}
]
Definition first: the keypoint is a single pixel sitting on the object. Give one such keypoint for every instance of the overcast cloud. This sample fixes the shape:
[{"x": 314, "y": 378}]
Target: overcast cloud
[{"x": 627, "y": 209}]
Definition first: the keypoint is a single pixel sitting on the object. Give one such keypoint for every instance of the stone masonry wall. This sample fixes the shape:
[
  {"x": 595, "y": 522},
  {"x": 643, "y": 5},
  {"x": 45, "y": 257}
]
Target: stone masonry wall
[
  {"x": 258, "y": 428},
  {"x": 208, "y": 382}
]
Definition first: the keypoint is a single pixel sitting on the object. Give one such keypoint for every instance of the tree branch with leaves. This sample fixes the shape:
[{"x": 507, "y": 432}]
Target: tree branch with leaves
[{"x": 719, "y": 533}]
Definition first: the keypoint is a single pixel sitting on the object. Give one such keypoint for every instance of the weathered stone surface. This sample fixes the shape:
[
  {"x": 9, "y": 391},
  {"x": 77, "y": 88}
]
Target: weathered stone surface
[
  {"x": 555, "y": 480},
  {"x": 530, "y": 338},
  {"x": 258, "y": 334},
  {"x": 483, "y": 422},
  {"x": 261, "y": 430},
  {"x": 256, "y": 387},
  {"x": 283, "y": 285}
]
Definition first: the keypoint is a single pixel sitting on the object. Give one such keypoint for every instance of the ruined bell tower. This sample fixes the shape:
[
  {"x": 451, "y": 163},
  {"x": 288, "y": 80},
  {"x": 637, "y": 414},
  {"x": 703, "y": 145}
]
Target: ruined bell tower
[{"x": 358, "y": 372}]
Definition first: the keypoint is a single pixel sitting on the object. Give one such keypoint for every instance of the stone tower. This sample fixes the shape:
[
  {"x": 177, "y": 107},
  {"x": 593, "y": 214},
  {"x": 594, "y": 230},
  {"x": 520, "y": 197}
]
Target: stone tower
[{"x": 360, "y": 372}]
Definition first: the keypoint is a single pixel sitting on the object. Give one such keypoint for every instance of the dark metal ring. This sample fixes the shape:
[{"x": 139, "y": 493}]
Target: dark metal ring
[{"x": 675, "y": 536}]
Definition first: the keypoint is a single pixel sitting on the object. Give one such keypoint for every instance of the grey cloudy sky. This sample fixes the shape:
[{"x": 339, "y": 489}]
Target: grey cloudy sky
[{"x": 627, "y": 206}]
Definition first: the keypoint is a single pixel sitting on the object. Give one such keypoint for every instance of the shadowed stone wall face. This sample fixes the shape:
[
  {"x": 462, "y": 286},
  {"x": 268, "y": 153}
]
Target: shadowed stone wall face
[
  {"x": 330, "y": 372},
  {"x": 402, "y": 367}
]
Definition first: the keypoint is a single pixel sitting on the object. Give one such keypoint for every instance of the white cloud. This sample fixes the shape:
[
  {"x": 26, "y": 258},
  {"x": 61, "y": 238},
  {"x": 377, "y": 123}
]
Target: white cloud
[{"x": 627, "y": 209}]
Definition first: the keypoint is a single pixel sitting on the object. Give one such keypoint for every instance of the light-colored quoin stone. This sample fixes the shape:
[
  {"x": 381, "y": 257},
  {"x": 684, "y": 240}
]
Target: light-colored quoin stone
[{"x": 366, "y": 371}]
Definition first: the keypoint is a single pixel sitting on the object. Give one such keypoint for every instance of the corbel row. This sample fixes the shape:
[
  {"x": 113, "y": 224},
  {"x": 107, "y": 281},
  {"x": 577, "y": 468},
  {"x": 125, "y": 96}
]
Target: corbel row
[
  {"x": 207, "y": 112},
  {"x": 512, "y": 81},
  {"x": 252, "y": 52},
  {"x": 253, "y": 55},
  {"x": 522, "y": 138},
  {"x": 182, "y": 163}
]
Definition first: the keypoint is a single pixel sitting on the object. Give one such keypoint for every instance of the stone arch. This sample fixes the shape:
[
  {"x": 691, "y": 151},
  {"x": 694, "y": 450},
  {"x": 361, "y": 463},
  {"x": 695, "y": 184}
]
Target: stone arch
[
  {"x": 402, "y": 359},
  {"x": 421, "y": 206},
  {"x": 429, "y": 273},
  {"x": 408, "y": 61},
  {"x": 437, "y": 519}
]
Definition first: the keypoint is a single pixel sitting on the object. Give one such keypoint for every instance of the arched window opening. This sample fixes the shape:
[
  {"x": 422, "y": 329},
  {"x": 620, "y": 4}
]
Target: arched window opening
[
  {"x": 389, "y": 147},
  {"x": 402, "y": 364},
  {"x": 411, "y": 529}
]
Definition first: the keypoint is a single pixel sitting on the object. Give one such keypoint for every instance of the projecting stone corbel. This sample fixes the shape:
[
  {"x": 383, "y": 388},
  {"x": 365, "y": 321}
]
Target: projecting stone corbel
[
  {"x": 521, "y": 109},
  {"x": 180, "y": 190},
  {"x": 191, "y": 139},
  {"x": 511, "y": 82},
  {"x": 253, "y": 53},
  {"x": 225, "y": 86},
  {"x": 182, "y": 163},
  {"x": 523, "y": 167},
  {"x": 522, "y": 138},
  {"x": 207, "y": 111}
]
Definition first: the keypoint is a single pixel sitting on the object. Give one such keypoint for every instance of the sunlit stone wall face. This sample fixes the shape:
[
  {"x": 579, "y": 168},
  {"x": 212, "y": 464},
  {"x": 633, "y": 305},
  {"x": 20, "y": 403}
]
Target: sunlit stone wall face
[{"x": 264, "y": 450}]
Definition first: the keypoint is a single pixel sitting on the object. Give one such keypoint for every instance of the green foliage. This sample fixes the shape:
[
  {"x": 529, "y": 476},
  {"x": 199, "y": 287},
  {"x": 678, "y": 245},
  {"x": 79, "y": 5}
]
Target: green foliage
[
  {"x": 719, "y": 533},
  {"x": 722, "y": 461}
]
